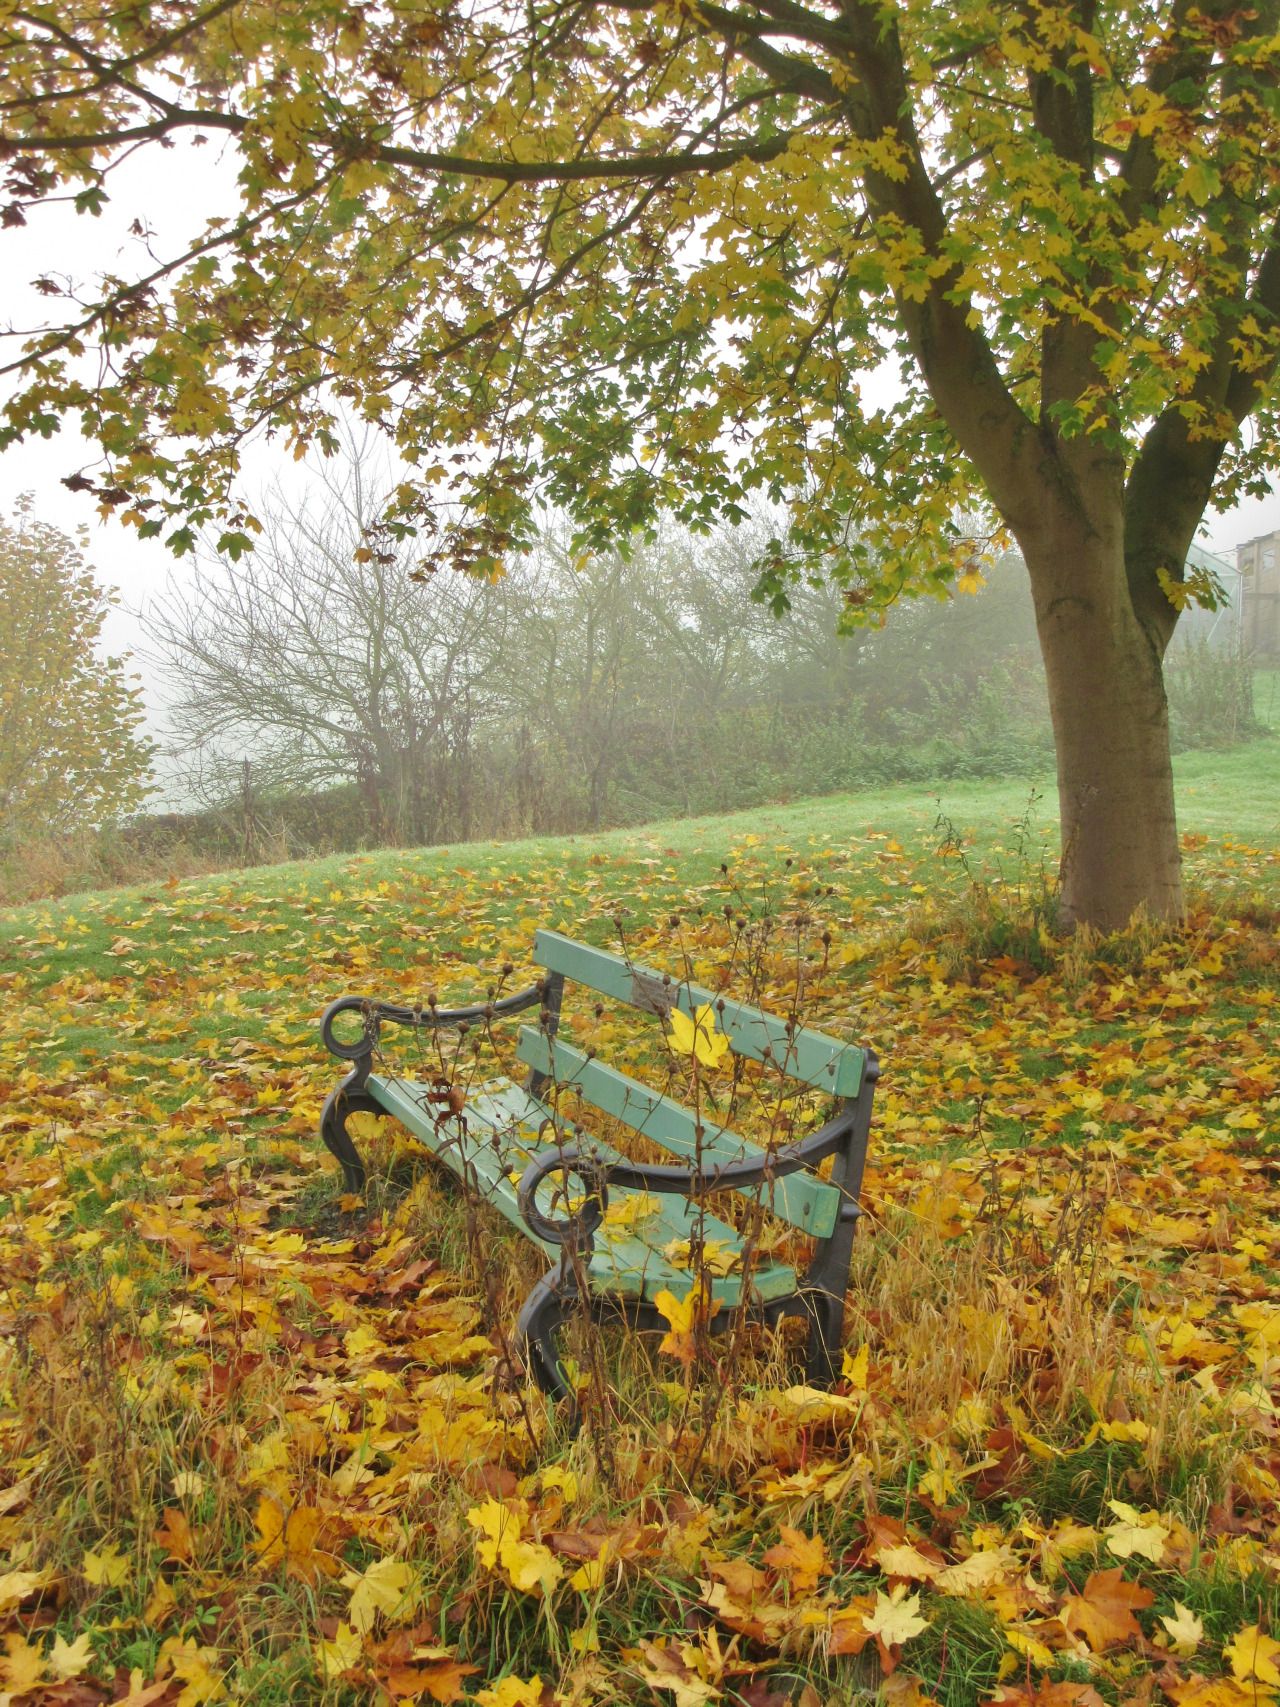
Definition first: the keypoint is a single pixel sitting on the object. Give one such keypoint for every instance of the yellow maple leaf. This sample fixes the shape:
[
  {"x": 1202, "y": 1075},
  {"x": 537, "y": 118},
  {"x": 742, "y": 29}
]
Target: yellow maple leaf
[
  {"x": 69, "y": 1659},
  {"x": 904, "y": 1560},
  {"x": 631, "y": 1207},
  {"x": 383, "y": 1587},
  {"x": 194, "y": 1665},
  {"x": 895, "y": 1618},
  {"x": 716, "y": 1256},
  {"x": 1137, "y": 1532},
  {"x": 493, "y": 1520},
  {"x": 556, "y": 1476},
  {"x": 1031, "y": 1648},
  {"x": 107, "y": 1568},
  {"x": 811, "y": 1405},
  {"x": 22, "y": 1667},
  {"x": 685, "y": 1315},
  {"x": 290, "y": 1539},
  {"x": 1252, "y": 1654},
  {"x": 160, "y": 1604},
  {"x": 512, "y": 1692},
  {"x": 802, "y": 1557},
  {"x": 338, "y": 1654},
  {"x": 697, "y": 1036},
  {"x": 588, "y": 1576},
  {"x": 979, "y": 1571},
  {"x": 15, "y": 1586},
  {"x": 528, "y": 1565},
  {"x": 1185, "y": 1629},
  {"x": 939, "y": 1481},
  {"x": 854, "y": 1369}
]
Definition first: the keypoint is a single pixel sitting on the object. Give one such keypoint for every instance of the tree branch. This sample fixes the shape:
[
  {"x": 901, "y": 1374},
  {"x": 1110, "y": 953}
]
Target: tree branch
[
  {"x": 1172, "y": 477},
  {"x": 421, "y": 159},
  {"x": 946, "y": 338}
]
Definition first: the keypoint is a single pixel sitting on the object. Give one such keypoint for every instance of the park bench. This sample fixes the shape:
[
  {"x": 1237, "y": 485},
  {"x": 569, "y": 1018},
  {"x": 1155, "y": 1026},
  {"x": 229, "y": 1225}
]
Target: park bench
[{"x": 495, "y": 1138}]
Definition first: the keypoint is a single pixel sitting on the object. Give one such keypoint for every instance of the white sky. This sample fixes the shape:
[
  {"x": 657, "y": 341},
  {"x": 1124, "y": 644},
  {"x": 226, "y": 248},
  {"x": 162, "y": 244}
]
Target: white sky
[{"x": 174, "y": 193}]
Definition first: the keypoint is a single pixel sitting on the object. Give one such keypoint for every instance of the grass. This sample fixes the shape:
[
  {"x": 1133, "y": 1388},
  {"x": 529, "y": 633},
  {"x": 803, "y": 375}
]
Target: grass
[{"x": 229, "y": 1395}]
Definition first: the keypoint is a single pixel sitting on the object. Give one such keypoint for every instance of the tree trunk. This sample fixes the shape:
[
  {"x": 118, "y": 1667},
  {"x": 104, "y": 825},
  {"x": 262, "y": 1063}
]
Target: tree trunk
[{"x": 1120, "y": 852}]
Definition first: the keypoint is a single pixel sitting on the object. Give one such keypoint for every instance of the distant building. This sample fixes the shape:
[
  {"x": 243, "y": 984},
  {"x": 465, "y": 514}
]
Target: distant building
[{"x": 1258, "y": 562}]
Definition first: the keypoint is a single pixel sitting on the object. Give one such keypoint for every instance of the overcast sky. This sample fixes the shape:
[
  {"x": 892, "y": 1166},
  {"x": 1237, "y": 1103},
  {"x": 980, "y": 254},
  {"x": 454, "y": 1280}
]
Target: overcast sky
[{"x": 174, "y": 193}]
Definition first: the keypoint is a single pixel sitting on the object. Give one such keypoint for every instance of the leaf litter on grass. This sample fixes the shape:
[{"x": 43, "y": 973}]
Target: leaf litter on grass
[{"x": 258, "y": 1443}]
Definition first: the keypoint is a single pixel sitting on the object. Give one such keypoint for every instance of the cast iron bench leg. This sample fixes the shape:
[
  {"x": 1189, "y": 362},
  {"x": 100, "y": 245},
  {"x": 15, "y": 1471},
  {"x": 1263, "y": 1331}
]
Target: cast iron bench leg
[
  {"x": 823, "y": 1300},
  {"x": 347, "y": 1098},
  {"x": 545, "y": 1311}
]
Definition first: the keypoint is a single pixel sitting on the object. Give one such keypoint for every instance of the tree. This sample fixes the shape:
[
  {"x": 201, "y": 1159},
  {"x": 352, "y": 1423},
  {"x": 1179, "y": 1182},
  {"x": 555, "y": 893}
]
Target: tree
[
  {"x": 575, "y": 664},
  {"x": 71, "y": 754},
  {"x": 325, "y": 661},
  {"x": 629, "y": 257}
]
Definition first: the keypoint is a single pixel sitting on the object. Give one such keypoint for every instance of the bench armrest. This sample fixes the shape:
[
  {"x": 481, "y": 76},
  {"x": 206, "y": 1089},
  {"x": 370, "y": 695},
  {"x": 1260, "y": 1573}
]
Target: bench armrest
[
  {"x": 375, "y": 1013},
  {"x": 734, "y": 1176},
  {"x": 575, "y": 1231}
]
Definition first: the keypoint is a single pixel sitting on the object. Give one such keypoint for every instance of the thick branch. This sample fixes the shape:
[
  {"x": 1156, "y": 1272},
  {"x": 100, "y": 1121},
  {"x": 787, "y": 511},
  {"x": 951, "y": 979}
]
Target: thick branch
[
  {"x": 945, "y": 334},
  {"x": 1173, "y": 474},
  {"x": 1188, "y": 64},
  {"x": 1062, "y": 112}
]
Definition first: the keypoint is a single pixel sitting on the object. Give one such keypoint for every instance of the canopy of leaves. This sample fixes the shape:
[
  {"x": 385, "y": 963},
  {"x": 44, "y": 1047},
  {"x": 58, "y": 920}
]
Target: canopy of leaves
[
  {"x": 70, "y": 749},
  {"x": 629, "y": 256}
]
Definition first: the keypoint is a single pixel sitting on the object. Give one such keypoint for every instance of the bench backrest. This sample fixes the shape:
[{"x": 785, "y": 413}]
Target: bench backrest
[
  {"x": 802, "y": 1199},
  {"x": 799, "y": 1053}
]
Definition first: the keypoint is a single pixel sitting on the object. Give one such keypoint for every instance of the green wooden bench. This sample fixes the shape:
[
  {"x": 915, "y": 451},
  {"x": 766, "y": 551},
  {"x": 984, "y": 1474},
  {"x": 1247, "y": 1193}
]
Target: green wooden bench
[{"x": 496, "y": 1141}]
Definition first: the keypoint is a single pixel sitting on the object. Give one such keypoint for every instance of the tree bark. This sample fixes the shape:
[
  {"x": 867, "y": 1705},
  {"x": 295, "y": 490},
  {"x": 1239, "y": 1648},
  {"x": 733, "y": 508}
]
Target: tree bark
[{"x": 1120, "y": 852}]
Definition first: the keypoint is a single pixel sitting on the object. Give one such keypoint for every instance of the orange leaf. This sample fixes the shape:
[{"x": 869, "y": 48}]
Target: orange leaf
[
  {"x": 1103, "y": 1614},
  {"x": 1046, "y": 1694},
  {"x": 802, "y": 1557},
  {"x": 440, "y": 1679},
  {"x": 174, "y": 1535}
]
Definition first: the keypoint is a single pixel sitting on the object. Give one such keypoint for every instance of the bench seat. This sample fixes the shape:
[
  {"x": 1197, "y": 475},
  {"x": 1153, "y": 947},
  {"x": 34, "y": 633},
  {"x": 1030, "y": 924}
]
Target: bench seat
[{"x": 502, "y": 1130}]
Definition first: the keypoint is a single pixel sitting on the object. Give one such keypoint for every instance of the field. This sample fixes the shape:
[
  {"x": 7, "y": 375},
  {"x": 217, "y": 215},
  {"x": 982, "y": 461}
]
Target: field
[{"x": 256, "y": 1444}]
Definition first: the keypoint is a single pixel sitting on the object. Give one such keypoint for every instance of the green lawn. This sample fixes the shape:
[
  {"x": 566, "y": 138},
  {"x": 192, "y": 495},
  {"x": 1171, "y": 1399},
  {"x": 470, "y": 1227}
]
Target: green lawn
[
  {"x": 1232, "y": 797},
  {"x": 256, "y": 1432}
]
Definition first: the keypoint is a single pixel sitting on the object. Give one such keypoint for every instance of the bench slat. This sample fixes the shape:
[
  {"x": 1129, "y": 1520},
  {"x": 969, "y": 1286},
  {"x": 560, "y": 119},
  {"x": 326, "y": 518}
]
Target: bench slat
[
  {"x": 501, "y": 1135},
  {"x": 806, "y": 1202},
  {"x": 802, "y": 1054}
]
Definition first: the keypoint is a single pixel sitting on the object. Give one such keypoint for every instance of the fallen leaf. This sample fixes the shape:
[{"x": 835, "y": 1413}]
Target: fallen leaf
[
  {"x": 893, "y": 1620},
  {"x": 107, "y": 1568},
  {"x": 1103, "y": 1613},
  {"x": 1251, "y": 1654},
  {"x": 69, "y": 1659},
  {"x": 382, "y": 1587},
  {"x": 340, "y": 1652},
  {"x": 1185, "y": 1629},
  {"x": 23, "y": 1664},
  {"x": 802, "y": 1557}
]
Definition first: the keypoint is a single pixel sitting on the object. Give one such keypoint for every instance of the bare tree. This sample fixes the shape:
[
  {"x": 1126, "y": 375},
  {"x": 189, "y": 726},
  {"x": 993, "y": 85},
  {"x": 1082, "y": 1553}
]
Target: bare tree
[
  {"x": 328, "y": 663},
  {"x": 576, "y": 671}
]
